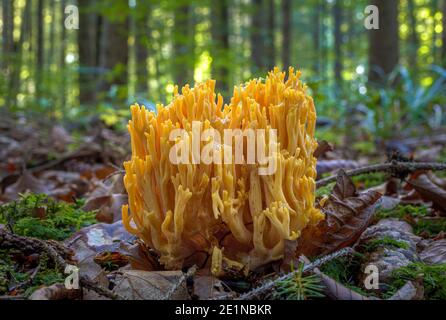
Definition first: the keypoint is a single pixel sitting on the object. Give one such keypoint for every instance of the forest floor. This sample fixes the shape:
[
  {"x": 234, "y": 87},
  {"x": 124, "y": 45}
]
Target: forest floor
[{"x": 60, "y": 206}]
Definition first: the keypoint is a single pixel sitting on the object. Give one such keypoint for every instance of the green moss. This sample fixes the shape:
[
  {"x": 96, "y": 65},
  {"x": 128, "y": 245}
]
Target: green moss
[
  {"x": 402, "y": 211},
  {"x": 14, "y": 274},
  {"x": 344, "y": 271},
  {"x": 370, "y": 180},
  {"x": 385, "y": 242},
  {"x": 39, "y": 216},
  {"x": 324, "y": 191},
  {"x": 430, "y": 228},
  {"x": 433, "y": 278}
]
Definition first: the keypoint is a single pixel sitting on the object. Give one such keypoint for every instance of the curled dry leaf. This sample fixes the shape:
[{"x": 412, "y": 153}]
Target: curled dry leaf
[
  {"x": 348, "y": 214},
  {"x": 429, "y": 191},
  {"x": 90, "y": 241},
  {"x": 434, "y": 253},
  {"x": 26, "y": 183},
  {"x": 156, "y": 285},
  {"x": 56, "y": 292}
]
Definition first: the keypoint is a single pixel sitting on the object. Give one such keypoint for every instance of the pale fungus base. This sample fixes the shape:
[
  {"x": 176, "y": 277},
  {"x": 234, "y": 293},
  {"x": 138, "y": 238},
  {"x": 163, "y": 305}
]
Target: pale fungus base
[{"x": 228, "y": 211}]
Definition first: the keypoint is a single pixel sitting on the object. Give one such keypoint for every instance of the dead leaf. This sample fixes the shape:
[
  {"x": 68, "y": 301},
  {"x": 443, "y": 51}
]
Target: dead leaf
[
  {"x": 208, "y": 287},
  {"x": 90, "y": 241},
  {"x": 409, "y": 291},
  {"x": 322, "y": 147},
  {"x": 434, "y": 253},
  {"x": 347, "y": 216},
  {"x": 56, "y": 292},
  {"x": 26, "y": 183},
  {"x": 429, "y": 191},
  {"x": 338, "y": 291},
  {"x": 156, "y": 285},
  {"x": 108, "y": 207}
]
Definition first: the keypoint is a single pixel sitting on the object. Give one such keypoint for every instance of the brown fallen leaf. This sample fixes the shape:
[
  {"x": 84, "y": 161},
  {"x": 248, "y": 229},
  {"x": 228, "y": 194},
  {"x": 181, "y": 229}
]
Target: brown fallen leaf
[
  {"x": 56, "y": 292},
  {"x": 429, "y": 191},
  {"x": 322, "y": 147},
  {"x": 434, "y": 253},
  {"x": 156, "y": 285},
  {"x": 26, "y": 183},
  {"x": 108, "y": 207},
  {"x": 348, "y": 214}
]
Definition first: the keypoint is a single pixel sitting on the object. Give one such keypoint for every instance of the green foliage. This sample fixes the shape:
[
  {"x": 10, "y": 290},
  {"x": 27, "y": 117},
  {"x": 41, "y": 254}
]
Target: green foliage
[
  {"x": 13, "y": 274},
  {"x": 433, "y": 278},
  {"x": 385, "y": 242},
  {"x": 324, "y": 191},
  {"x": 430, "y": 227},
  {"x": 403, "y": 210},
  {"x": 370, "y": 180},
  {"x": 37, "y": 215},
  {"x": 344, "y": 271},
  {"x": 299, "y": 287}
]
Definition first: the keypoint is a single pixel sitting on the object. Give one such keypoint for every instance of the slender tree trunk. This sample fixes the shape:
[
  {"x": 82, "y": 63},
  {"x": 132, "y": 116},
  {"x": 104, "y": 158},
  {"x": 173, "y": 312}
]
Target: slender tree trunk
[
  {"x": 413, "y": 39},
  {"x": 220, "y": 48},
  {"x": 40, "y": 57},
  {"x": 270, "y": 53},
  {"x": 113, "y": 57},
  {"x": 182, "y": 45},
  {"x": 14, "y": 86},
  {"x": 443, "y": 48},
  {"x": 337, "y": 15},
  {"x": 63, "y": 52},
  {"x": 317, "y": 38},
  {"x": 384, "y": 42},
  {"x": 88, "y": 35},
  {"x": 7, "y": 33},
  {"x": 142, "y": 46},
  {"x": 286, "y": 32},
  {"x": 258, "y": 47}
]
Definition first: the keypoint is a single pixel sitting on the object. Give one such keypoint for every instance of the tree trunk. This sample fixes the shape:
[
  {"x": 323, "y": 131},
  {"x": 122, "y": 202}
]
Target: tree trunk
[
  {"x": 270, "y": 53},
  {"x": 87, "y": 41},
  {"x": 384, "y": 42},
  {"x": 113, "y": 56},
  {"x": 220, "y": 48},
  {"x": 258, "y": 47},
  {"x": 183, "y": 45},
  {"x": 63, "y": 52},
  {"x": 317, "y": 38},
  {"x": 413, "y": 39},
  {"x": 142, "y": 46},
  {"x": 14, "y": 84},
  {"x": 286, "y": 32},
  {"x": 40, "y": 58},
  {"x": 7, "y": 33},
  {"x": 443, "y": 49},
  {"x": 337, "y": 15}
]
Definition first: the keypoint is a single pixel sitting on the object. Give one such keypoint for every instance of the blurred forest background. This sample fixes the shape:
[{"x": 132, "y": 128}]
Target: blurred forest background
[{"x": 367, "y": 84}]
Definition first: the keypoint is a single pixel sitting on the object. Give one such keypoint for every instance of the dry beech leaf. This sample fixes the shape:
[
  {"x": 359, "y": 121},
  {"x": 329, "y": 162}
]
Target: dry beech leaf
[
  {"x": 56, "y": 292},
  {"x": 338, "y": 291},
  {"x": 322, "y": 147},
  {"x": 26, "y": 183},
  {"x": 156, "y": 285},
  {"x": 429, "y": 191},
  {"x": 108, "y": 207},
  {"x": 92, "y": 240},
  {"x": 208, "y": 287},
  {"x": 434, "y": 253},
  {"x": 348, "y": 214}
]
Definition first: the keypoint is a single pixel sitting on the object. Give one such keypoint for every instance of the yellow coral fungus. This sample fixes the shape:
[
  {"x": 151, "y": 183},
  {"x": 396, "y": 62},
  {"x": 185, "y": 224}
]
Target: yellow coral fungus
[{"x": 182, "y": 204}]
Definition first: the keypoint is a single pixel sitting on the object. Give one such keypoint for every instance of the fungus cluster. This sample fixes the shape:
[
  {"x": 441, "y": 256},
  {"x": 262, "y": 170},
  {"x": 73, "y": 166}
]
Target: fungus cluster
[{"x": 228, "y": 210}]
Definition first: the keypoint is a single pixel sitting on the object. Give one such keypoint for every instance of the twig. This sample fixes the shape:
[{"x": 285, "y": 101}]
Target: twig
[
  {"x": 55, "y": 253},
  {"x": 395, "y": 167},
  {"x": 269, "y": 285}
]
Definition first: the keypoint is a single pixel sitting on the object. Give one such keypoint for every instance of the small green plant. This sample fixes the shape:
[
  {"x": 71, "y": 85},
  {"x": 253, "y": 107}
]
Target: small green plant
[
  {"x": 37, "y": 215},
  {"x": 370, "y": 180},
  {"x": 13, "y": 275},
  {"x": 433, "y": 278},
  {"x": 403, "y": 210},
  {"x": 385, "y": 242},
  {"x": 299, "y": 287},
  {"x": 430, "y": 228},
  {"x": 324, "y": 191}
]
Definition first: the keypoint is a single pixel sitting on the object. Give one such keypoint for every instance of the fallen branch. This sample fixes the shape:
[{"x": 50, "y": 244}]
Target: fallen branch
[
  {"x": 396, "y": 168},
  {"x": 267, "y": 287},
  {"x": 57, "y": 254}
]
